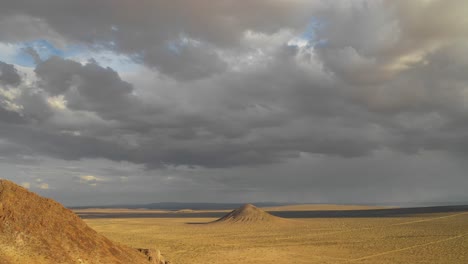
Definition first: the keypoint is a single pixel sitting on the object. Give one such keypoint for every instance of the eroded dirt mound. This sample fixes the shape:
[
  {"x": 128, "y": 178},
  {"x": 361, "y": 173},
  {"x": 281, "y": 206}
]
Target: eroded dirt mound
[
  {"x": 250, "y": 214},
  {"x": 34, "y": 229}
]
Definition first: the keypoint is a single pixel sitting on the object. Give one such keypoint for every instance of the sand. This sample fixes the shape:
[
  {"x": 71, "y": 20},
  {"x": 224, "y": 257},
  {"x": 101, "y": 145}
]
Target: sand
[{"x": 426, "y": 238}]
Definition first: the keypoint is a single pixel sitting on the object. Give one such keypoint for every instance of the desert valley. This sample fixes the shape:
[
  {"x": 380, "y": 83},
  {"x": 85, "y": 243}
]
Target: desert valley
[
  {"x": 39, "y": 230},
  {"x": 314, "y": 235}
]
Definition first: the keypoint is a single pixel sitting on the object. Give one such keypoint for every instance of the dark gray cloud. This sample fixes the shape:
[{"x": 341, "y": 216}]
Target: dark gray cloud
[
  {"x": 234, "y": 95},
  {"x": 9, "y": 75},
  {"x": 10, "y": 116},
  {"x": 89, "y": 87},
  {"x": 34, "y": 54}
]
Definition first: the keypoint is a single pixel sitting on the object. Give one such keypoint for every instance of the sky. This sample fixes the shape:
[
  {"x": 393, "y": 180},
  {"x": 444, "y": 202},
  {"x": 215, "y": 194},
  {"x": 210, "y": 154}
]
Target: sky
[{"x": 309, "y": 101}]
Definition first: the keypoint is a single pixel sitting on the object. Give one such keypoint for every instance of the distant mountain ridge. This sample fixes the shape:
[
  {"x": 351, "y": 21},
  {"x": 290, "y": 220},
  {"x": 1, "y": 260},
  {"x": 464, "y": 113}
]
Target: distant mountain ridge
[
  {"x": 181, "y": 206},
  {"x": 174, "y": 206}
]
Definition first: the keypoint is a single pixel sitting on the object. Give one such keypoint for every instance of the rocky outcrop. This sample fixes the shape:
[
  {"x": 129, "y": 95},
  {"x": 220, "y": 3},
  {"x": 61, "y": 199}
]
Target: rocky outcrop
[{"x": 154, "y": 256}]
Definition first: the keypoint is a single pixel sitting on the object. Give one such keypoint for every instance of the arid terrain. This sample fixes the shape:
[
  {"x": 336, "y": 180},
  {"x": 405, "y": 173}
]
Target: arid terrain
[
  {"x": 37, "y": 230},
  {"x": 304, "y": 234},
  {"x": 34, "y": 229}
]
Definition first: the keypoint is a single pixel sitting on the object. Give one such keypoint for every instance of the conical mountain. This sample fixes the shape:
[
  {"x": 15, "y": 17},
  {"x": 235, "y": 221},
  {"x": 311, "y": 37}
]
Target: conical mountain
[
  {"x": 38, "y": 230},
  {"x": 249, "y": 214}
]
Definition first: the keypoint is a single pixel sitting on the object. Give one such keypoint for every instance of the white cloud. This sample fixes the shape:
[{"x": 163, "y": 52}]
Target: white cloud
[
  {"x": 57, "y": 102},
  {"x": 10, "y": 106},
  {"x": 10, "y": 94},
  {"x": 123, "y": 178},
  {"x": 7, "y": 51},
  {"x": 43, "y": 186},
  {"x": 8, "y": 97},
  {"x": 90, "y": 180},
  {"x": 26, "y": 185}
]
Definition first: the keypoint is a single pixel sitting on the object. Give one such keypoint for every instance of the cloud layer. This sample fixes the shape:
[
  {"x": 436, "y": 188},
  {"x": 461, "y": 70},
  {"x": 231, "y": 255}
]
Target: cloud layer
[{"x": 234, "y": 87}]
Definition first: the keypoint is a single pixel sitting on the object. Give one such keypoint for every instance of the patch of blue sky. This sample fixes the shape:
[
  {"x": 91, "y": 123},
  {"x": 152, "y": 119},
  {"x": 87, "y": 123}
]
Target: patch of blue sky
[
  {"x": 15, "y": 54},
  {"x": 312, "y": 27},
  {"x": 309, "y": 36},
  {"x": 44, "y": 48},
  {"x": 177, "y": 46},
  {"x": 108, "y": 58},
  {"x": 174, "y": 46}
]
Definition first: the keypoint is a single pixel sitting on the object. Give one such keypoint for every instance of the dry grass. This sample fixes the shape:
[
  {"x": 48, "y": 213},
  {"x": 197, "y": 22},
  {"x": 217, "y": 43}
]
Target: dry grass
[{"x": 430, "y": 238}]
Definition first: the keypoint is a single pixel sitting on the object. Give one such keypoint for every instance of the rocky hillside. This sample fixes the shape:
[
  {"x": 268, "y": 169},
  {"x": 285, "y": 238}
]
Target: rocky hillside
[{"x": 34, "y": 229}]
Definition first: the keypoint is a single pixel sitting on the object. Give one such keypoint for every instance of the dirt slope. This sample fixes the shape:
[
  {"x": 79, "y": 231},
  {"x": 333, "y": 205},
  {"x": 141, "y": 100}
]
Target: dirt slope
[{"x": 34, "y": 229}]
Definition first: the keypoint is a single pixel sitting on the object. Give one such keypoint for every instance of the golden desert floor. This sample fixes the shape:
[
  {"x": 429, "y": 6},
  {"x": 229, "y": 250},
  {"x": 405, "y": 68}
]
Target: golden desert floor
[{"x": 424, "y": 238}]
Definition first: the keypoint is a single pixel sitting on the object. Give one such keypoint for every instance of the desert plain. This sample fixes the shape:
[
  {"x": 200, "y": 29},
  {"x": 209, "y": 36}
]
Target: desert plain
[{"x": 304, "y": 234}]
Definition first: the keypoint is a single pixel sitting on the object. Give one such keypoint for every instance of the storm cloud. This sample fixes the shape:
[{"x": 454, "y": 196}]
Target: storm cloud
[
  {"x": 228, "y": 94},
  {"x": 9, "y": 75}
]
